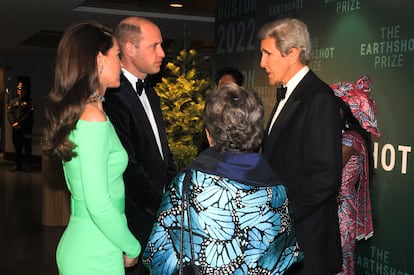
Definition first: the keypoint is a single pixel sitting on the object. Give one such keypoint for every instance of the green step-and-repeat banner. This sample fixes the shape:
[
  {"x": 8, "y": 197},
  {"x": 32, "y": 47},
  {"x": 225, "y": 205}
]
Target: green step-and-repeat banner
[{"x": 349, "y": 38}]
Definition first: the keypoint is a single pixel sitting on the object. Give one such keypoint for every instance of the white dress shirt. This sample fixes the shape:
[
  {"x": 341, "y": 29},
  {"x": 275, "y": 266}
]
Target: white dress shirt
[{"x": 290, "y": 85}]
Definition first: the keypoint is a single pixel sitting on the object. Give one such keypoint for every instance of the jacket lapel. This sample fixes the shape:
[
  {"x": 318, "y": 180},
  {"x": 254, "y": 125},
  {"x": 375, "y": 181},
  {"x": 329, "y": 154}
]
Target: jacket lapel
[
  {"x": 281, "y": 122},
  {"x": 285, "y": 115},
  {"x": 159, "y": 119},
  {"x": 140, "y": 114}
]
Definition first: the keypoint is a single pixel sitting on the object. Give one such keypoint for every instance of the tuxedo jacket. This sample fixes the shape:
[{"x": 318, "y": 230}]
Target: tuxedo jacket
[
  {"x": 304, "y": 148},
  {"x": 147, "y": 172}
]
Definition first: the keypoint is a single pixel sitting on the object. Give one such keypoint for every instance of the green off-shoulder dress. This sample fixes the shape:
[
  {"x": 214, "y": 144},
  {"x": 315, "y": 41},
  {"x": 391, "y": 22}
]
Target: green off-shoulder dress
[{"x": 97, "y": 234}]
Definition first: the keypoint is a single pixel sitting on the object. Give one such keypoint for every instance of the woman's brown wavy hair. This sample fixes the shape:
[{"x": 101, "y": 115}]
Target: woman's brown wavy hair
[{"x": 76, "y": 79}]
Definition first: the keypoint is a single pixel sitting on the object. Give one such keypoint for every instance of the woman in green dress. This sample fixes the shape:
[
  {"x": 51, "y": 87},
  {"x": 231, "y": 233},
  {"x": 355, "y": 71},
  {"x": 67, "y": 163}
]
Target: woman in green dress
[{"x": 97, "y": 239}]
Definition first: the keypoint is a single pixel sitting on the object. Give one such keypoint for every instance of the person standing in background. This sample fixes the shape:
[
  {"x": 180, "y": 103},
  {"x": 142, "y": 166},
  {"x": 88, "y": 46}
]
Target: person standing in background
[
  {"x": 303, "y": 143},
  {"x": 228, "y": 74},
  {"x": 135, "y": 111},
  {"x": 359, "y": 122},
  {"x": 20, "y": 116},
  {"x": 97, "y": 239}
]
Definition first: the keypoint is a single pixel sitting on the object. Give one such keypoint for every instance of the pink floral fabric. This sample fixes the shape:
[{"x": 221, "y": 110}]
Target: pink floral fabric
[
  {"x": 357, "y": 97},
  {"x": 355, "y": 218}
]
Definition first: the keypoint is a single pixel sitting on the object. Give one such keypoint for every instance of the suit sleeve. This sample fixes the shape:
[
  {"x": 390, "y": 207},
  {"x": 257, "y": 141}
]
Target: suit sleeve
[
  {"x": 322, "y": 155},
  {"x": 135, "y": 173}
]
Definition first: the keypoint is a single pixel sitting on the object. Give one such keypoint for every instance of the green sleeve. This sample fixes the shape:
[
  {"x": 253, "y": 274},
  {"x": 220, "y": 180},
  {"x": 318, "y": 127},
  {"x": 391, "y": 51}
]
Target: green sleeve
[{"x": 93, "y": 145}]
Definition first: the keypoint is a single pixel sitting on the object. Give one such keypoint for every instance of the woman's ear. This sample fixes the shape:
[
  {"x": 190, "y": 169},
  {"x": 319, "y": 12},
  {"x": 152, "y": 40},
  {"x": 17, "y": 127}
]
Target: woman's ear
[
  {"x": 209, "y": 138},
  {"x": 100, "y": 62}
]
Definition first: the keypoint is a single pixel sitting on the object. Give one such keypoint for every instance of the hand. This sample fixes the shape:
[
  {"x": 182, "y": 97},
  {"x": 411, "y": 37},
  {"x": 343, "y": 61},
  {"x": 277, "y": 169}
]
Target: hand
[
  {"x": 128, "y": 262},
  {"x": 16, "y": 126}
]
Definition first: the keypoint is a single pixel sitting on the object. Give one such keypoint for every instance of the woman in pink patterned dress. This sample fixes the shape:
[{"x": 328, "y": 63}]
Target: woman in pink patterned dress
[{"x": 358, "y": 113}]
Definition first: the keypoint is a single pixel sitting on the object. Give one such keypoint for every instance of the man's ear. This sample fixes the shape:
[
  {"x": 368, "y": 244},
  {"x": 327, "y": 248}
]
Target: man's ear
[
  {"x": 294, "y": 55},
  {"x": 129, "y": 48}
]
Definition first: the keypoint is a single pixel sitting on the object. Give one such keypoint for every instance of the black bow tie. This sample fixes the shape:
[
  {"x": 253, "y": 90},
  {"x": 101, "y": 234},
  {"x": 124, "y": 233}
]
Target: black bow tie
[
  {"x": 280, "y": 93},
  {"x": 141, "y": 85}
]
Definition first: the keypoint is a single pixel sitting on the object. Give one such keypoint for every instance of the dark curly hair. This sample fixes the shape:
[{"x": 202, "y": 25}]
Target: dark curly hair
[{"x": 234, "y": 72}]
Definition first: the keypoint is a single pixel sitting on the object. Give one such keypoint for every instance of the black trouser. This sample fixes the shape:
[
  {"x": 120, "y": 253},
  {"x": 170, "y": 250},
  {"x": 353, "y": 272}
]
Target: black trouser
[{"x": 22, "y": 146}]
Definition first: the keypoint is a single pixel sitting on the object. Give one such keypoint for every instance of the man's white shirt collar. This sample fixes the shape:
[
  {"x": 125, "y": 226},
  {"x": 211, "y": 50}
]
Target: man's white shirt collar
[
  {"x": 291, "y": 85},
  {"x": 131, "y": 78},
  {"x": 294, "y": 81}
]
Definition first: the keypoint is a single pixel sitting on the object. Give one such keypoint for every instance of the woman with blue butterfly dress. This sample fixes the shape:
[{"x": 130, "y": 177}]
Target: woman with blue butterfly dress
[{"x": 239, "y": 210}]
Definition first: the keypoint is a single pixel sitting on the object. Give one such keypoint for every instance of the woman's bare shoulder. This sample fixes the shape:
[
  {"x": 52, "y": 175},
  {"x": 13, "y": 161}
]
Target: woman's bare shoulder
[{"x": 93, "y": 113}]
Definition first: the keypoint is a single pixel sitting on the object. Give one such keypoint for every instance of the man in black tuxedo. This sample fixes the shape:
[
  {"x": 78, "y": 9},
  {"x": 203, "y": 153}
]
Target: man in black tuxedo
[
  {"x": 303, "y": 144},
  {"x": 134, "y": 109}
]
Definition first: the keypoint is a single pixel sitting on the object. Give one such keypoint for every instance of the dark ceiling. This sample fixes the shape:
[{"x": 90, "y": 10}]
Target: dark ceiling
[{"x": 30, "y": 26}]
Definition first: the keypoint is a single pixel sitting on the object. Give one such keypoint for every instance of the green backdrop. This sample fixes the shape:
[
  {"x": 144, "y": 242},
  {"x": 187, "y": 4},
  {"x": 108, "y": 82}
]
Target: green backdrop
[{"x": 349, "y": 38}]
